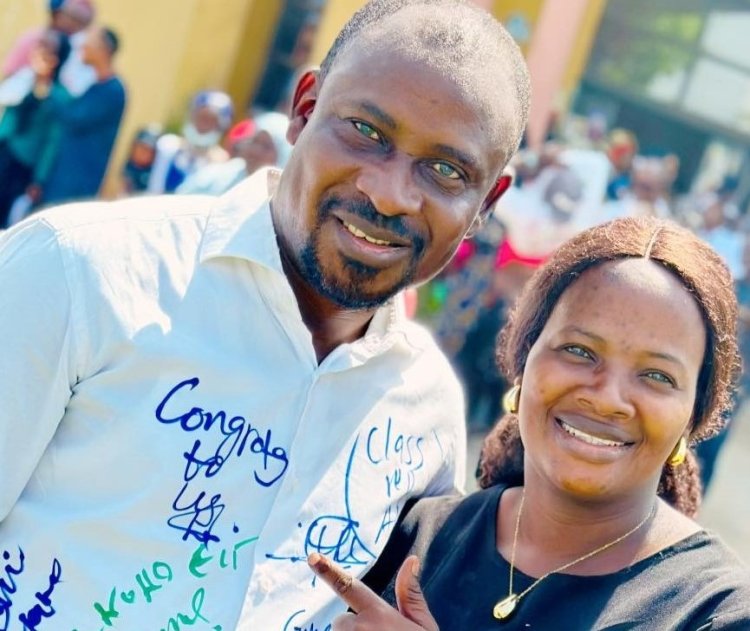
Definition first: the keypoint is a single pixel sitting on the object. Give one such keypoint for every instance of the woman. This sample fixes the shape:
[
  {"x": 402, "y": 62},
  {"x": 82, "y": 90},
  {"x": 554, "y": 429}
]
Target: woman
[
  {"x": 266, "y": 145},
  {"x": 30, "y": 119},
  {"x": 177, "y": 157},
  {"x": 623, "y": 351}
]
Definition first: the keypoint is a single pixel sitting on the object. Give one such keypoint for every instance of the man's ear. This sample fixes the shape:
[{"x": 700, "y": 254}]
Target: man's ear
[
  {"x": 503, "y": 184},
  {"x": 303, "y": 103}
]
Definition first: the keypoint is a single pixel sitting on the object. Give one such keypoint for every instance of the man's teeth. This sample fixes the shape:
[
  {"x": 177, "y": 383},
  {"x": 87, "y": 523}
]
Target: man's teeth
[
  {"x": 588, "y": 438},
  {"x": 362, "y": 235}
]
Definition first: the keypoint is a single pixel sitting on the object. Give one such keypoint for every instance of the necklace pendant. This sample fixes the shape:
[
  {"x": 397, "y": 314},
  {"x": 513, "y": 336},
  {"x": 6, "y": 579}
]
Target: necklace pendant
[{"x": 504, "y": 608}]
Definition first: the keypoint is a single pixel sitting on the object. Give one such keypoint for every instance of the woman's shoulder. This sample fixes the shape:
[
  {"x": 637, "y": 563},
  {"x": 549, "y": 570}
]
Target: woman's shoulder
[
  {"x": 426, "y": 522},
  {"x": 703, "y": 578},
  {"x": 432, "y": 513}
]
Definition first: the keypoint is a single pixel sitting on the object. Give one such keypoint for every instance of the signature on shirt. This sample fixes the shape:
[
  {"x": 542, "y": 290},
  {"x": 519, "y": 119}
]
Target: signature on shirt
[
  {"x": 147, "y": 585},
  {"x": 292, "y": 625},
  {"x": 43, "y": 608},
  {"x": 336, "y": 535},
  {"x": 196, "y": 511}
]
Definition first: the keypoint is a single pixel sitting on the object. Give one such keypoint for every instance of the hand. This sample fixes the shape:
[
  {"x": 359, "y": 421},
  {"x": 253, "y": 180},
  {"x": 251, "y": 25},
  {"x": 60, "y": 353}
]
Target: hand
[
  {"x": 43, "y": 63},
  {"x": 372, "y": 613},
  {"x": 34, "y": 191}
]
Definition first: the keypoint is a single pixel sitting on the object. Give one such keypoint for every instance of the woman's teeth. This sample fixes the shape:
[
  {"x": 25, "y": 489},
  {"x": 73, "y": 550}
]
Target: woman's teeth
[
  {"x": 588, "y": 438},
  {"x": 363, "y": 235}
]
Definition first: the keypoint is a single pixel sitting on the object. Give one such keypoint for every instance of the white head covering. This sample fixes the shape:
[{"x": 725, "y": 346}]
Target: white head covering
[{"x": 275, "y": 125}]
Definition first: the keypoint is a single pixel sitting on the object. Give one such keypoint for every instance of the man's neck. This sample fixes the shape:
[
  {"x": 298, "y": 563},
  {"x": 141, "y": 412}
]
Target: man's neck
[
  {"x": 104, "y": 72},
  {"x": 329, "y": 324}
]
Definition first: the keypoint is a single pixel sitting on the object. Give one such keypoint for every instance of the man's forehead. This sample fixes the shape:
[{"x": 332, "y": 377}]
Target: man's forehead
[{"x": 364, "y": 71}]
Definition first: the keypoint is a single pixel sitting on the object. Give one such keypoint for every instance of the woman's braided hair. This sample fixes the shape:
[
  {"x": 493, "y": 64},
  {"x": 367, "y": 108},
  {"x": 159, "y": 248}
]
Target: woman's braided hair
[{"x": 700, "y": 270}]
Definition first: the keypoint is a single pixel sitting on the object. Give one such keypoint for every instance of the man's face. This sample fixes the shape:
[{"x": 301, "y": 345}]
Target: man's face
[
  {"x": 70, "y": 21},
  {"x": 389, "y": 171},
  {"x": 93, "y": 48}
]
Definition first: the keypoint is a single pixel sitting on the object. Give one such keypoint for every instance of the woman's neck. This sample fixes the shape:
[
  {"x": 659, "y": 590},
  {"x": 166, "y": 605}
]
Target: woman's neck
[{"x": 556, "y": 528}]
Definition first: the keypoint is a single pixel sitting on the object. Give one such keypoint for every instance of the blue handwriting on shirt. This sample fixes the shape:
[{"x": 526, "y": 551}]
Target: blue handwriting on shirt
[{"x": 196, "y": 513}]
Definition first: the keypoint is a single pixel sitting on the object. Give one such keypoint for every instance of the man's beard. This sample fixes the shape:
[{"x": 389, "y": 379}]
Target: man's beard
[{"x": 349, "y": 293}]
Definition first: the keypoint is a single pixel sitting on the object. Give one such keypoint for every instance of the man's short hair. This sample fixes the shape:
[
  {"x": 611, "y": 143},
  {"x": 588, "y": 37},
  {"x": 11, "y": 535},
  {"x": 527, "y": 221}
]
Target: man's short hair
[
  {"x": 111, "y": 40},
  {"x": 452, "y": 36}
]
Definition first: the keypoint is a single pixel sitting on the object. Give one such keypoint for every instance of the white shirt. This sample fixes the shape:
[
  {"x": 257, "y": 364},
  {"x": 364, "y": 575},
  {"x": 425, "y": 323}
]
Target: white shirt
[
  {"x": 160, "y": 391},
  {"x": 75, "y": 75}
]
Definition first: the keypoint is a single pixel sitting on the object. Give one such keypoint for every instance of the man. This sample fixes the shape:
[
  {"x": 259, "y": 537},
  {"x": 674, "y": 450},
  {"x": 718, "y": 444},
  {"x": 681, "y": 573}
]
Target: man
[
  {"x": 87, "y": 127},
  {"x": 197, "y": 392}
]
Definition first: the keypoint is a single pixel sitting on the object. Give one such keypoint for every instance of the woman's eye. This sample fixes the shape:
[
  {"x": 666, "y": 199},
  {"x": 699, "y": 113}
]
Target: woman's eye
[
  {"x": 660, "y": 377},
  {"x": 367, "y": 130},
  {"x": 444, "y": 169},
  {"x": 578, "y": 351}
]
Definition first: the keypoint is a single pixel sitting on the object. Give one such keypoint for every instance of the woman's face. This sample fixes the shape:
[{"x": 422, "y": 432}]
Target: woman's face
[
  {"x": 609, "y": 386},
  {"x": 258, "y": 151}
]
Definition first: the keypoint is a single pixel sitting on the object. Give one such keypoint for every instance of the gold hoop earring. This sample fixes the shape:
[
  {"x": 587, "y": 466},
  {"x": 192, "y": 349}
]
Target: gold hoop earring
[
  {"x": 679, "y": 453},
  {"x": 511, "y": 398}
]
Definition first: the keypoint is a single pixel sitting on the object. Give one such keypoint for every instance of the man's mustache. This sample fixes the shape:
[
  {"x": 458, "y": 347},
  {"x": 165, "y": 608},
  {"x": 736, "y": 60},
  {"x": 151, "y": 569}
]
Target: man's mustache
[{"x": 365, "y": 209}]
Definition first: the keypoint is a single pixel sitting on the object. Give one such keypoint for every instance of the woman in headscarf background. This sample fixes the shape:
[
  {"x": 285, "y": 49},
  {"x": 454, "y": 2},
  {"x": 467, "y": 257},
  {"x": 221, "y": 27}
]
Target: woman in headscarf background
[
  {"x": 178, "y": 157},
  {"x": 256, "y": 143}
]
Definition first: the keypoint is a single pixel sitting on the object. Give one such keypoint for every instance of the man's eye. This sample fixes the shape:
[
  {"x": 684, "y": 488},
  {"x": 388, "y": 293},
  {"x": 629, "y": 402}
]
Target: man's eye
[
  {"x": 367, "y": 130},
  {"x": 446, "y": 170}
]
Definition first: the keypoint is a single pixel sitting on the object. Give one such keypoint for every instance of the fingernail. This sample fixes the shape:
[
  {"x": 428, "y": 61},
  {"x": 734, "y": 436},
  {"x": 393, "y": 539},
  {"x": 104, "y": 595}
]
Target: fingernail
[{"x": 317, "y": 561}]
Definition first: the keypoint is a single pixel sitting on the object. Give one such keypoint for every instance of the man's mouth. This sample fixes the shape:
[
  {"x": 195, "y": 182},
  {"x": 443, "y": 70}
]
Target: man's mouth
[
  {"x": 590, "y": 438},
  {"x": 360, "y": 234}
]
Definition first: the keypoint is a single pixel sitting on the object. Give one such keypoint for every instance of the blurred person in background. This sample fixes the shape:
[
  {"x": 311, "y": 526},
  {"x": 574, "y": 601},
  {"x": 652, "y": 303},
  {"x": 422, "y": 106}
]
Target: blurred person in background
[
  {"x": 88, "y": 127},
  {"x": 26, "y": 125},
  {"x": 742, "y": 286},
  {"x": 651, "y": 182},
  {"x": 541, "y": 215},
  {"x": 262, "y": 144},
  {"x": 621, "y": 150},
  {"x": 69, "y": 17},
  {"x": 177, "y": 157},
  {"x": 719, "y": 227},
  {"x": 137, "y": 169},
  {"x": 709, "y": 450}
]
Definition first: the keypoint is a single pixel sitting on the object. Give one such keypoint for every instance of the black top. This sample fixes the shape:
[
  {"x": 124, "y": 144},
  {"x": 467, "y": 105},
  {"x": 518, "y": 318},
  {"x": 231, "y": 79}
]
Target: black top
[{"x": 695, "y": 585}]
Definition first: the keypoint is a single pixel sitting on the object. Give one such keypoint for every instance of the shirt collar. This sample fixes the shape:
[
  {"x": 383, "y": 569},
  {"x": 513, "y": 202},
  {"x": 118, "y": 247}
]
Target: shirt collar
[{"x": 240, "y": 225}]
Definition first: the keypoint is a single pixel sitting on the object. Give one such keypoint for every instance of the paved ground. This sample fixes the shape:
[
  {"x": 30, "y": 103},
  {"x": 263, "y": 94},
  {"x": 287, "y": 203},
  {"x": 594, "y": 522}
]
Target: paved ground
[{"x": 726, "y": 508}]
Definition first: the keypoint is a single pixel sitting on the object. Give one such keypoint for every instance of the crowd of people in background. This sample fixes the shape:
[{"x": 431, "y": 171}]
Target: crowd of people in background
[{"x": 61, "y": 104}]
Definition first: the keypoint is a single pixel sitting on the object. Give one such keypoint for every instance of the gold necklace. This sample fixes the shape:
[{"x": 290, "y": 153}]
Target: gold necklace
[{"x": 505, "y": 607}]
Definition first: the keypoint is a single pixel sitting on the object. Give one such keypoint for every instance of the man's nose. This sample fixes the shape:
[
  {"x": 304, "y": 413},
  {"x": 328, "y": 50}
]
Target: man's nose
[
  {"x": 608, "y": 395},
  {"x": 390, "y": 186}
]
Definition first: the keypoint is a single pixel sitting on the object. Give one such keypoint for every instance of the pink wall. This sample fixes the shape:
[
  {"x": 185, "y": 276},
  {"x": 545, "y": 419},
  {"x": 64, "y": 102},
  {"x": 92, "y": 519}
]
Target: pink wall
[{"x": 552, "y": 45}]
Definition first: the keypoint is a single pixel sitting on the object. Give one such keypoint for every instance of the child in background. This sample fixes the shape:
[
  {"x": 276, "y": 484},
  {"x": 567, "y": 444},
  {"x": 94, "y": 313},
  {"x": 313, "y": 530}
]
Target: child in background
[{"x": 137, "y": 169}]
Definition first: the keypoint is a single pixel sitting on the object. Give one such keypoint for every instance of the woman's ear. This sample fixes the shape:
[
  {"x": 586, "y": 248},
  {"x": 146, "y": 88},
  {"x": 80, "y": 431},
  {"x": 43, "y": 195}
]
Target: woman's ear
[{"x": 303, "y": 103}]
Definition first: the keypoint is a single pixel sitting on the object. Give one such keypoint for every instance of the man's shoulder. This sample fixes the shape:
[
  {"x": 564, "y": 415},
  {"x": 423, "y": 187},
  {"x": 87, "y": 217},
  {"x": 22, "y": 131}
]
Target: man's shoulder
[
  {"x": 422, "y": 339},
  {"x": 123, "y": 223}
]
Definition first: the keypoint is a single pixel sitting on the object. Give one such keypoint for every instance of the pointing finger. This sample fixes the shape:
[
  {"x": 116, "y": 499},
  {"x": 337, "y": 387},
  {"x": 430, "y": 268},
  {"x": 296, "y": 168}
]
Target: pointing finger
[{"x": 351, "y": 590}]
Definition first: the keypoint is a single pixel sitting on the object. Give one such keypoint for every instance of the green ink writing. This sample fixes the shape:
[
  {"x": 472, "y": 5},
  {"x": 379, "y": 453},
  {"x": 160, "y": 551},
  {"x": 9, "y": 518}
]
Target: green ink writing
[
  {"x": 201, "y": 557},
  {"x": 196, "y": 605}
]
